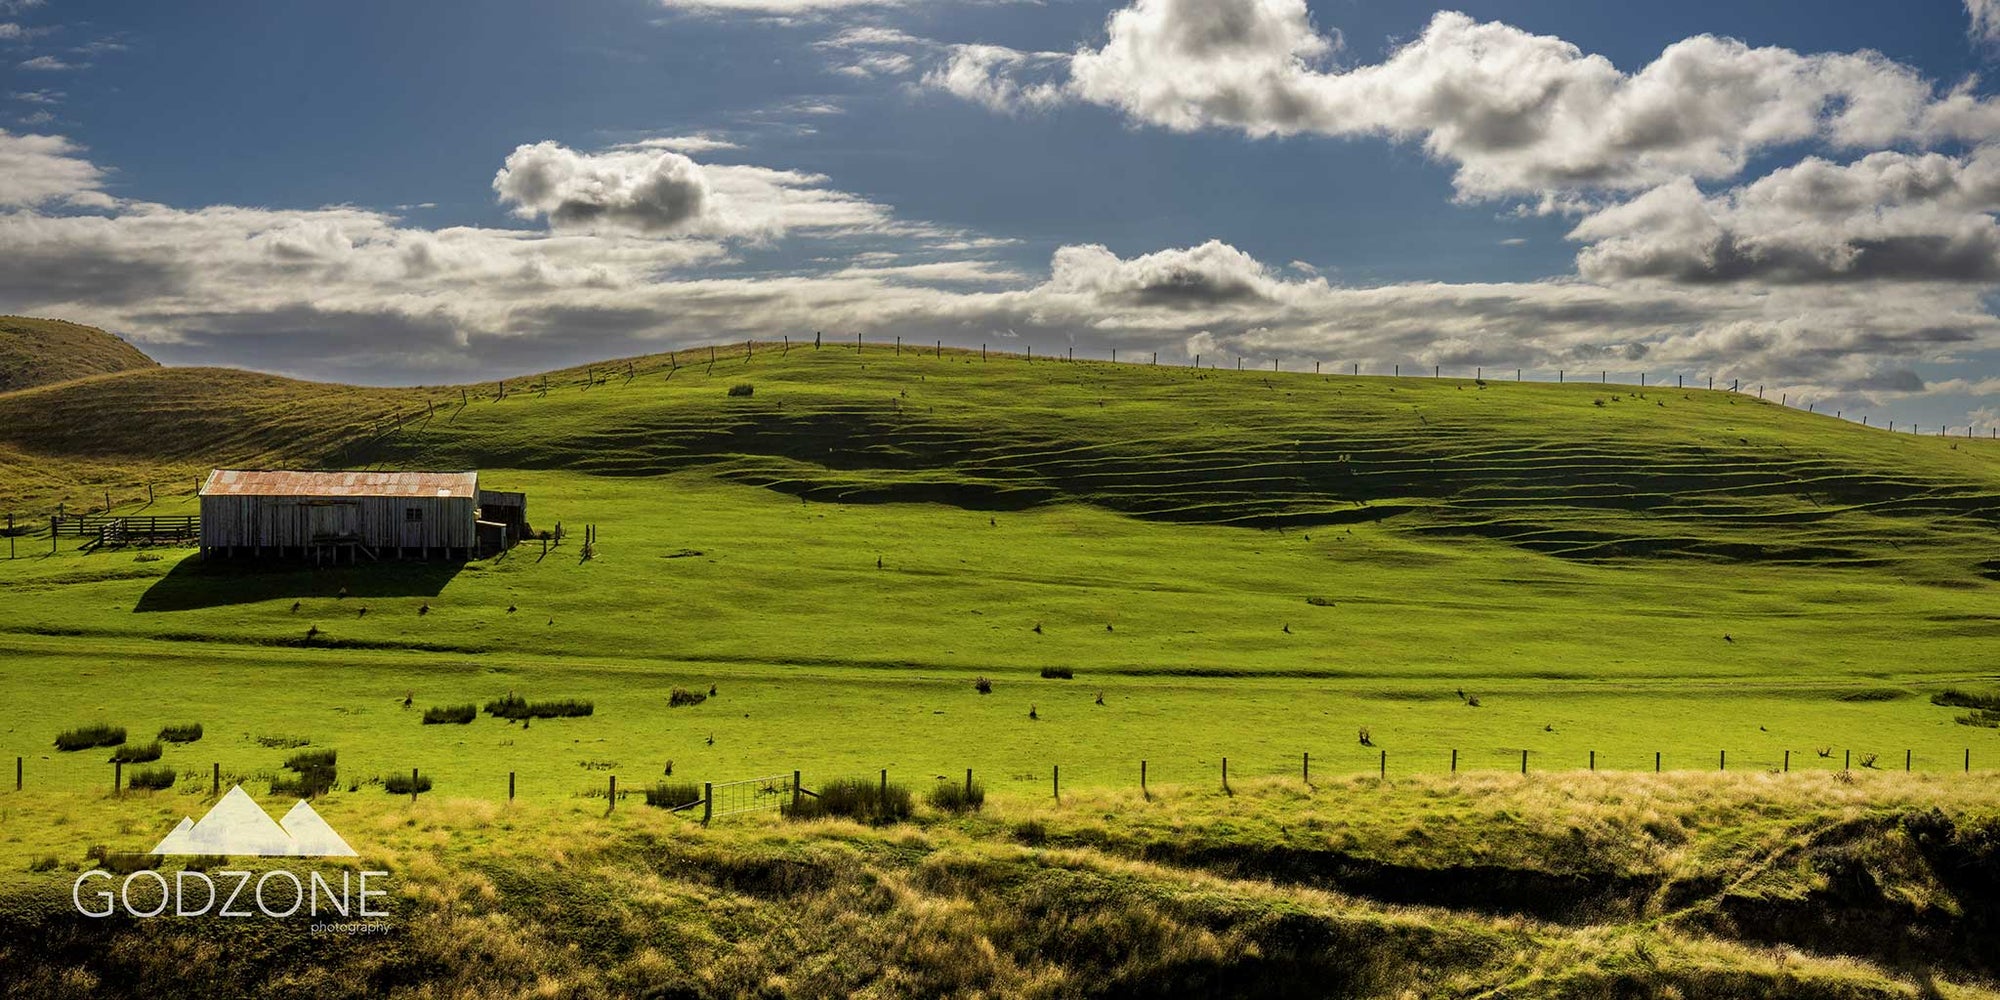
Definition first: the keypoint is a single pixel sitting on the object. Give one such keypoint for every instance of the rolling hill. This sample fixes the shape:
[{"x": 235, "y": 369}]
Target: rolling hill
[
  {"x": 44, "y": 351},
  {"x": 1581, "y": 471}
]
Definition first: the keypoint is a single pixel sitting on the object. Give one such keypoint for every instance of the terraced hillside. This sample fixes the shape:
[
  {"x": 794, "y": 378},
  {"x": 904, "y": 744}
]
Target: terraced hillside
[
  {"x": 43, "y": 351},
  {"x": 1582, "y": 471},
  {"x": 1576, "y": 470}
]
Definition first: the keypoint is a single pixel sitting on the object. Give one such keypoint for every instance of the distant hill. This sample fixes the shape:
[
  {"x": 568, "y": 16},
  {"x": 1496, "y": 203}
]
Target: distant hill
[{"x": 36, "y": 352}]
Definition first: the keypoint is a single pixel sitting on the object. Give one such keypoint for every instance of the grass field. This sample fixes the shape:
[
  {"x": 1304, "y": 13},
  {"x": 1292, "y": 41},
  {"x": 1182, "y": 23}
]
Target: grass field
[{"x": 1230, "y": 564}]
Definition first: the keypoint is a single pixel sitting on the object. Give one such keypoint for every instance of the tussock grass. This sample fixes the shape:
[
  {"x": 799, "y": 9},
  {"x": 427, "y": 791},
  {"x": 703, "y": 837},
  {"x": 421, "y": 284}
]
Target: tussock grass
[
  {"x": 151, "y": 778},
  {"x": 399, "y": 783},
  {"x": 181, "y": 733},
  {"x": 681, "y": 697},
  {"x": 101, "y": 734},
  {"x": 955, "y": 797},
  {"x": 450, "y": 714},
  {"x": 515, "y": 707},
  {"x": 860, "y": 799},
  {"x": 136, "y": 753},
  {"x": 672, "y": 794}
]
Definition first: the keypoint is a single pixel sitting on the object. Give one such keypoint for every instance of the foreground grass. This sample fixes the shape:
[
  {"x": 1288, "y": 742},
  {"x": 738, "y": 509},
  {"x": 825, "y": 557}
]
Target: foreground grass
[{"x": 1708, "y": 886}]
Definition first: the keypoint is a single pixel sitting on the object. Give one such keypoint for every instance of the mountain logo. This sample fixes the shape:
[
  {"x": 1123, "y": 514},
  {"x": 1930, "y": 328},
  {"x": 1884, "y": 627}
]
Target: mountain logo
[{"x": 237, "y": 825}]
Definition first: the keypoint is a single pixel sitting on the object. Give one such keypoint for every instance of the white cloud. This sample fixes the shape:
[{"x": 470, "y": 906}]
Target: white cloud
[
  {"x": 690, "y": 145},
  {"x": 1985, "y": 17},
  {"x": 1519, "y": 114},
  {"x": 656, "y": 192},
  {"x": 1887, "y": 216},
  {"x": 349, "y": 293},
  {"x": 989, "y": 75},
  {"x": 40, "y": 168},
  {"x": 46, "y": 63}
]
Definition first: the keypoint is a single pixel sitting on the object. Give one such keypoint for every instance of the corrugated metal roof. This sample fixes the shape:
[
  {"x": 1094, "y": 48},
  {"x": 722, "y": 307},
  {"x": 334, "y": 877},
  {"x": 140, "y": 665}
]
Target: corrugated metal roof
[{"x": 231, "y": 482}]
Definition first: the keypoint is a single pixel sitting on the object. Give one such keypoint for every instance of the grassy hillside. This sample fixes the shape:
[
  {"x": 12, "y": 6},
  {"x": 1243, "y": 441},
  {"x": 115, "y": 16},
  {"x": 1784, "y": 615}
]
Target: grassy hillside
[
  {"x": 877, "y": 562},
  {"x": 43, "y": 351},
  {"x": 1873, "y": 887}
]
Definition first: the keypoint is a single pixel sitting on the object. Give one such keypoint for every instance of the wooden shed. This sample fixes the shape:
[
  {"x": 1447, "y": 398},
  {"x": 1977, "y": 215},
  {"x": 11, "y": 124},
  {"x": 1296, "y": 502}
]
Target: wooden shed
[{"x": 325, "y": 515}]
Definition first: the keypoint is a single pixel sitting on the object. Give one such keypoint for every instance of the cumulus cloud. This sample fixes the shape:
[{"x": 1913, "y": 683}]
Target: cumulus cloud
[
  {"x": 649, "y": 190},
  {"x": 38, "y": 168},
  {"x": 1518, "y": 114},
  {"x": 1887, "y": 216},
  {"x": 355, "y": 294},
  {"x": 1985, "y": 18}
]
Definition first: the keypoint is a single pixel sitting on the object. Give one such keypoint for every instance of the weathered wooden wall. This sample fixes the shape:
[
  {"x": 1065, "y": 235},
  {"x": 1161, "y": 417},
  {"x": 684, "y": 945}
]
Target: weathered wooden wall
[{"x": 379, "y": 522}]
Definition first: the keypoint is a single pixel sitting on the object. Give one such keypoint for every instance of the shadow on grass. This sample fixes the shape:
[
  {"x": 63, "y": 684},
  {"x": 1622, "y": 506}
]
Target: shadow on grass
[{"x": 196, "y": 583}]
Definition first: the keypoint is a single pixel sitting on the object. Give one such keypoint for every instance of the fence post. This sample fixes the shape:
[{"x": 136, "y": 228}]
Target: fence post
[
  {"x": 1722, "y": 760},
  {"x": 885, "y": 782},
  {"x": 1593, "y": 760},
  {"x": 796, "y": 793},
  {"x": 413, "y": 786},
  {"x": 1454, "y": 761},
  {"x": 708, "y": 787},
  {"x": 510, "y": 786},
  {"x": 1149, "y": 795},
  {"x": 1788, "y": 762},
  {"x": 117, "y": 777},
  {"x": 215, "y": 778},
  {"x": 968, "y": 785},
  {"x": 1906, "y": 761},
  {"x": 1225, "y": 774},
  {"x": 1055, "y": 780},
  {"x": 1306, "y": 767},
  {"x": 612, "y": 792},
  {"x": 1384, "y": 772},
  {"x": 1847, "y": 764},
  {"x": 1656, "y": 762}
]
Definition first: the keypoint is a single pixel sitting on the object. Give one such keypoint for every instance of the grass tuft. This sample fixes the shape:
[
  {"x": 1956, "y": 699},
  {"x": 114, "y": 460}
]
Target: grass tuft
[
  {"x": 450, "y": 715},
  {"x": 185, "y": 733},
  {"x": 136, "y": 753},
  {"x": 95, "y": 735},
  {"x": 859, "y": 799},
  {"x": 151, "y": 778}
]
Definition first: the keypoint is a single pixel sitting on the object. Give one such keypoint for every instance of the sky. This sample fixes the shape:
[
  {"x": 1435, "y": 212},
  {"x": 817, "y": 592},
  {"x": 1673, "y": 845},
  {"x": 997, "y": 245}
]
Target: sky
[{"x": 1798, "y": 196}]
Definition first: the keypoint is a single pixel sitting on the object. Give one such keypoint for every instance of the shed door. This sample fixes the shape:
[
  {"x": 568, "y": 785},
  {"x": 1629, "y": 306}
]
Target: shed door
[{"x": 337, "y": 520}]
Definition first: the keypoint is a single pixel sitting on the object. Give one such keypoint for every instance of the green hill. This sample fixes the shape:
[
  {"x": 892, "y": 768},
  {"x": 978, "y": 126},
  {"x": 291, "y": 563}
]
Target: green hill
[
  {"x": 1580, "y": 471},
  {"x": 43, "y": 351}
]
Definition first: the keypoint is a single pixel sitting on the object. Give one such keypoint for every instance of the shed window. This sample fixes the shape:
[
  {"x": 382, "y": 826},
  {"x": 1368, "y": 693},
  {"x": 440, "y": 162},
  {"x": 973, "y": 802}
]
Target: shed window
[{"x": 413, "y": 513}]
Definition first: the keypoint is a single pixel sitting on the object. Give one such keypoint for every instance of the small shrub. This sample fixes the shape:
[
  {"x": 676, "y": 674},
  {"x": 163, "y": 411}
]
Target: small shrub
[
  {"x": 282, "y": 742},
  {"x": 742, "y": 389},
  {"x": 673, "y": 794},
  {"x": 954, "y": 796},
  {"x": 95, "y": 735},
  {"x": 860, "y": 799},
  {"x": 983, "y": 686},
  {"x": 682, "y": 698},
  {"x": 1057, "y": 673},
  {"x": 136, "y": 753},
  {"x": 457, "y": 715},
  {"x": 45, "y": 863},
  {"x": 399, "y": 784},
  {"x": 151, "y": 778},
  {"x": 181, "y": 734}
]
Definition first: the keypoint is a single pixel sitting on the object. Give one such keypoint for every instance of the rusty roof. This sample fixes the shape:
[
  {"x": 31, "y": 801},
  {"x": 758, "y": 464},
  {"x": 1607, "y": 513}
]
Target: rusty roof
[{"x": 238, "y": 483}]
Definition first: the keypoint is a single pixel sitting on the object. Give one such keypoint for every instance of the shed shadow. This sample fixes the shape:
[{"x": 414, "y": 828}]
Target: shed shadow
[{"x": 196, "y": 583}]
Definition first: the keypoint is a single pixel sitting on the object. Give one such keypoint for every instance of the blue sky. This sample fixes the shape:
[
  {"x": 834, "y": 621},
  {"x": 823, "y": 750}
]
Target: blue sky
[{"x": 394, "y": 192}]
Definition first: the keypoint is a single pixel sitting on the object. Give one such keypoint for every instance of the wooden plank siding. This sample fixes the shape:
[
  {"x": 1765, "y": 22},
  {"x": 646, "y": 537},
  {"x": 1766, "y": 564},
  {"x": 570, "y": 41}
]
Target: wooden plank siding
[{"x": 250, "y": 523}]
